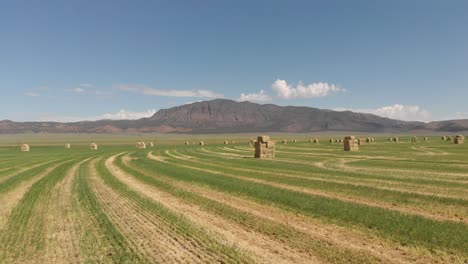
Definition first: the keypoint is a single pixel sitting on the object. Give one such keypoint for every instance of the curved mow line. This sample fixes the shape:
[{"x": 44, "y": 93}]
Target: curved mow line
[
  {"x": 223, "y": 230},
  {"x": 370, "y": 172},
  {"x": 321, "y": 177},
  {"x": 10, "y": 200},
  {"x": 387, "y": 206},
  {"x": 334, "y": 235},
  {"x": 342, "y": 167},
  {"x": 145, "y": 232},
  {"x": 62, "y": 240}
]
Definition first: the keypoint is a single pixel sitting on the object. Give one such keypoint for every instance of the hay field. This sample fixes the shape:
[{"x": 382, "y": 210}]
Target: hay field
[{"x": 175, "y": 203}]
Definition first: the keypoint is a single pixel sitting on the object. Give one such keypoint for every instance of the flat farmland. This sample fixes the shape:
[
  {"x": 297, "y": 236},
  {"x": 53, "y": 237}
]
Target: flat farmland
[{"x": 175, "y": 203}]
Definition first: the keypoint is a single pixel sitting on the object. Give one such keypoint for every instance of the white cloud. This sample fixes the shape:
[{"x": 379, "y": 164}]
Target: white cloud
[
  {"x": 255, "y": 97},
  {"x": 122, "y": 114},
  {"x": 172, "y": 93},
  {"x": 314, "y": 90},
  {"x": 86, "y": 85},
  {"x": 78, "y": 90},
  {"x": 397, "y": 111},
  {"x": 32, "y": 94}
]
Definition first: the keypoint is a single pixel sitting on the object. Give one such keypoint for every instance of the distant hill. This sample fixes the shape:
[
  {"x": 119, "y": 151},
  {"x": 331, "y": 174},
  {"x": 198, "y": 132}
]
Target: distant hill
[{"x": 227, "y": 116}]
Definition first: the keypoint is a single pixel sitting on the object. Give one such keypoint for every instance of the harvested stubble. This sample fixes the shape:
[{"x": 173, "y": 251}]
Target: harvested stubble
[
  {"x": 459, "y": 139},
  {"x": 25, "y": 147},
  {"x": 141, "y": 145},
  {"x": 351, "y": 144},
  {"x": 264, "y": 148}
]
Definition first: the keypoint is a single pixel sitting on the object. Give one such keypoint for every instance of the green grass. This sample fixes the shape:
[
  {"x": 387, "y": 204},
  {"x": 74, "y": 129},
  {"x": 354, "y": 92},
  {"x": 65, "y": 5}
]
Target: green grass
[
  {"x": 406, "y": 229},
  {"x": 430, "y": 183}
]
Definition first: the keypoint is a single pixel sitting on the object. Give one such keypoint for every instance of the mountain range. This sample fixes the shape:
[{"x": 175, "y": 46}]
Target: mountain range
[{"x": 227, "y": 116}]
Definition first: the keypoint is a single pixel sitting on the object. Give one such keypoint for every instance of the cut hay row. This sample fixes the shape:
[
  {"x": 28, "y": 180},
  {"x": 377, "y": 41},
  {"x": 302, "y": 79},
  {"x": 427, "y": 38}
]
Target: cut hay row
[
  {"x": 398, "y": 174},
  {"x": 332, "y": 234},
  {"x": 413, "y": 203},
  {"x": 216, "y": 203},
  {"x": 188, "y": 241},
  {"x": 416, "y": 170},
  {"x": 223, "y": 230},
  {"x": 289, "y": 198},
  {"x": 324, "y": 176},
  {"x": 308, "y": 228},
  {"x": 265, "y": 227},
  {"x": 334, "y": 169},
  {"x": 16, "y": 247},
  {"x": 100, "y": 241},
  {"x": 62, "y": 238}
]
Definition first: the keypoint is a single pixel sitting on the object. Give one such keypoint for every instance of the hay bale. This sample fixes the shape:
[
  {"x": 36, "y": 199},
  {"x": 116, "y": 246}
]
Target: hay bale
[
  {"x": 93, "y": 146},
  {"x": 141, "y": 145},
  {"x": 67, "y": 146},
  {"x": 251, "y": 142},
  {"x": 233, "y": 142},
  {"x": 414, "y": 139},
  {"x": 25, "y": 147},
  {"x": 332, "y": 140},
  {"x": 459, "y": 139},
  {"x": 449, "y": 138},
  {"x": 337, "y": 141},
  {"x": 284, "y": 141},
  {"x": 395, "y": 139},
  {"x": 368, "y": 140},
  {"x": 316, "y": 141},
  {"x": 350, "y": 144},
  {"x": 264, "y": 148},
  {"x": 187, "y": 143},
  {"x": 151, "y": 144},
  {"x": 426, "y": 139},
  {"x": 263, "y": 139},
  {"x": 226, "y": 142},
  {"x": 362, "y": 141},
  {"x": 201, "y": 143},
  {"x": 444, "y": 138}
]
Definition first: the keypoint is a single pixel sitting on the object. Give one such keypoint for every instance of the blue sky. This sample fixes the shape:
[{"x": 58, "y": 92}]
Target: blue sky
[{"x": 71, "y": 60}]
